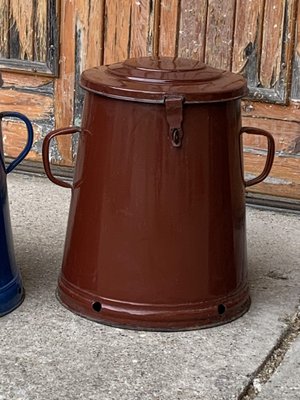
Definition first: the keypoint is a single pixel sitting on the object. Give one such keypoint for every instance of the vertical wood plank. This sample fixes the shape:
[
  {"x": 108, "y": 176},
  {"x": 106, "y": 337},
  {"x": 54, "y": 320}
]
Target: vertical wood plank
[
  {"x": 4, "y": 39},
  {"x": 247, "y": 39},
  {"x": 21, "y": 29},
  {"x": 64, "y": 86},
  {"x": 89, "y": 19},
  {"x": 219, "y": 35},
  {"x": 273, "y": 26},
  {"x": 192, "y": 29},
  {"x": 117, "y": 38},
  {"x": 129, "y": 29},
  {"x": 40, "y": 31},
  {"x": 296, "y": 62},
  {"x": 169, "y": 21},
  {"x": 156, "y": 27},
  {"x": 89, "y": 45},
  {"x": 141, "y": 43}
]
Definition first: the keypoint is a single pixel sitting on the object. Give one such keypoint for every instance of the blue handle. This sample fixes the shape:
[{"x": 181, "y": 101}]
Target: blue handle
[{"x": 27, "y": 148}]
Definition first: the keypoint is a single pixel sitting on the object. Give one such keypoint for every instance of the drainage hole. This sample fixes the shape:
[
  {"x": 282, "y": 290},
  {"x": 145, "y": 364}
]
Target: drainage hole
[
  {"x": 221, "y": 309},
  {"x": 97, "y": 306}
]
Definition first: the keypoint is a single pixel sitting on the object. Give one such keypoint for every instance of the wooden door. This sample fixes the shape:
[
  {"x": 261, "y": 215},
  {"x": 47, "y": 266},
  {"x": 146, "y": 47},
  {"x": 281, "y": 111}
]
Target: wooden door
[
  {"x": 259, "y": 39},
  {"x": 29, "y": 50}
]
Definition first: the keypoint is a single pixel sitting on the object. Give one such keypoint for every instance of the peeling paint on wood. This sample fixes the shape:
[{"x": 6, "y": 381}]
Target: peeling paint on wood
[
  {"x": 264, "y": 33},
  {"x": 21, "y": 29},
  {"x": 15, "y": 136},
  {"x": 4, "y": 28},
  {"x": 271, "y": 54},
  {"x": 88, "y": 47},
  {"x": 191, "y": 42},
  {"x": 64, "y": 86},
  {"x": 29, "y": 36},
  {"x": 247, "y": 39},
  {"x": 219, "y": 33},
  {"x": 35, "y": 106},
  {"x": 40, "y": 30},
  {"x": 296, "y": 62}
]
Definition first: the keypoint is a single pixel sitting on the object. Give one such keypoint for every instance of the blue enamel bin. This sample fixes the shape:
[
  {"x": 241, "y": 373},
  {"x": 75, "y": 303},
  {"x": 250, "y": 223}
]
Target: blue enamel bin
[{"x": 11, "y": 288}]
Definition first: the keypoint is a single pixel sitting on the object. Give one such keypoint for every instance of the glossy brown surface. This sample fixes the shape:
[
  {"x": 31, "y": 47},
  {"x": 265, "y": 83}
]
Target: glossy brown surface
[
  {"x": 150, "y": 79},
  {"x": 156, "y": 233}
]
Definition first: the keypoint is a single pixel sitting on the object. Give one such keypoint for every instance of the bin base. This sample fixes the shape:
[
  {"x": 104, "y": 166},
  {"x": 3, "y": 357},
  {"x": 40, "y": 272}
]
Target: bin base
[
  {"x": 154, "y": 317},
  {"x": 11, "y": 296}
]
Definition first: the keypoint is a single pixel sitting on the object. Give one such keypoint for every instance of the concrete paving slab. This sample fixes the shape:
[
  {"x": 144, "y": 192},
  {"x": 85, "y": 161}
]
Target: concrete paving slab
[
  {"x": 49, "y": 353},
  {"x": 285, "y": 383}
]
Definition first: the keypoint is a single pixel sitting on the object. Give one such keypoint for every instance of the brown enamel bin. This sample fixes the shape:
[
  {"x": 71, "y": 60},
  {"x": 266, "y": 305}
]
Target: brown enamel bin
[{"x": 156, "y": 232}]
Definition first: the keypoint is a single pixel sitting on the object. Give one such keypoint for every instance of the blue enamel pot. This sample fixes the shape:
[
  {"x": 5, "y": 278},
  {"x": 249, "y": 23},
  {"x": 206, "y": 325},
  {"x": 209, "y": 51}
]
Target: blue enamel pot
[{"x": 11, "y": 288}]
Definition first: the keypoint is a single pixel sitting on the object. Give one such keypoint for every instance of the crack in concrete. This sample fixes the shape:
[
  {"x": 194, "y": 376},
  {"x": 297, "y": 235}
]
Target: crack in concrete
[{"x": 274, "y": 358}]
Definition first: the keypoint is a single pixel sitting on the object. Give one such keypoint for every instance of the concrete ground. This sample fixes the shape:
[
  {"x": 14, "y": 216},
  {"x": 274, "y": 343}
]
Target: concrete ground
[{"x": 48, "y": 353}]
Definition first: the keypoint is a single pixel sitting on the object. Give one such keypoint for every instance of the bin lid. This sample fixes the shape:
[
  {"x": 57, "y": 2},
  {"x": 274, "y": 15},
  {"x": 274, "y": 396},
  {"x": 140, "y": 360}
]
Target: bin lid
[{"x": 151, "y": 79}]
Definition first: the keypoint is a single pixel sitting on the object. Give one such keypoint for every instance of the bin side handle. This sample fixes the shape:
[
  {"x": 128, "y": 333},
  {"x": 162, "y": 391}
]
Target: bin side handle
[
  {"x": 45, "y": 153},
  {"x": 28, "y": 145},
  {"x": 270, "y": 154}
]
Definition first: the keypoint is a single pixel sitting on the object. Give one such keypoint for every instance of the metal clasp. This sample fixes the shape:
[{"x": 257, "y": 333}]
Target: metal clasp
[{"x": 174, "y": 112}]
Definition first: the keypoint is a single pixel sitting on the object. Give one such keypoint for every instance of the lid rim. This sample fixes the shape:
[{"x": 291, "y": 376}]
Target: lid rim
[{"x": 162, "y": 99}]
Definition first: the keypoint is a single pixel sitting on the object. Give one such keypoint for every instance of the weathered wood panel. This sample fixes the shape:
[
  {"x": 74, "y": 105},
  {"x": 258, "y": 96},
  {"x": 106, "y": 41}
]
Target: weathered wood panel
[
  {"x": 32, "y": 96},
  {"x": 296, "y": 62},
  {"x": 257, "y": 109},
  {"x": 219, "y": 34},
  {"x": 21, "y": 29},
  {"x": 28, "y": 30},
  {"x": 155, "y": 20},
  {"x": 271, "y": 54},
  {"x": 15, "y": 138},
  {"x": 286, "y": 135},
  {"x": 89, "y": 33},
  {"x": 141, "y": 37},
  {"x": 191, "y": 42},
  {"x": 29, "y": 36},
  {"x": 89, "y": 36},
  {"x": 65, "y": 85},
  {"x": 128, "y": 29},
  {"x": 4, "y": 28},
  {"x": 34, "y": 105},
  {"x": 169, "y": 19},
  {"x": 284, "y": 180},
  {"x": 117, "y": 43},
  {"x": 264, "y": 35},
  {"x": 283, "y": 123},
  {"x": 40, "y": 31},
  {"x": 247, "y": 39},
  {"x": 17, "y": 81}
]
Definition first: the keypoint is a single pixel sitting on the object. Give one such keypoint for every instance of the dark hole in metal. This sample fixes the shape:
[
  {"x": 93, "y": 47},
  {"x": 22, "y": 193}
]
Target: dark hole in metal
[
  {"x": 97, "y": 306},
  {"x": 221, "y": 309},
  {"x": 176, "y": 138}
]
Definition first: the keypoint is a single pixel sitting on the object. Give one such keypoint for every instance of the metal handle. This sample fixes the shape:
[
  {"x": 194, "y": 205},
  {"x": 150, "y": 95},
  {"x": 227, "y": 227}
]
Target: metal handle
[
  {"x": 270, "y": 155},
  {"x": 28, "y": 145},
  {"x": 46, "y": 145}
]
